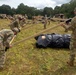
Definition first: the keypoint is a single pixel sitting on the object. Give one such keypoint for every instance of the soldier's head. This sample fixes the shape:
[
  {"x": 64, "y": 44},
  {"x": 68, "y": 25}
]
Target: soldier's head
[
  {"x": 75, "y": 11},
  {"x": 16, "y": 31}
]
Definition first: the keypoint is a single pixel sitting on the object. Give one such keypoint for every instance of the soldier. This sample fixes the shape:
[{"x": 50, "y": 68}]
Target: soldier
[
  {"x": 23, "y": 22},
  {"x": 26, "y": 18},
  {"x": 15, "y": 24},
  {"x": 34, "y": 19},
  {"x": 45, "y": 21},
  {"x": 6, "y": 36},
  {"x": 68, "y": 23},
  {"x": 49, "y": 19},
  {"x": 72, "y": 27}
]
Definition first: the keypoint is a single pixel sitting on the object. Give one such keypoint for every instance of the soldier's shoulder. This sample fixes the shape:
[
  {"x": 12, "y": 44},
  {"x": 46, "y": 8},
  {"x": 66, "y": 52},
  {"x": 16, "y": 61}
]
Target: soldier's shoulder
[
  {"x": 6, "y": 30},
  {"x": 73, "y": 22},
  {"x": 74, "y": 18}
]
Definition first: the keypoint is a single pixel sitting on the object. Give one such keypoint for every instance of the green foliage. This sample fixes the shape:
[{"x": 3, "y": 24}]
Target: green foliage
[
  {"x": 13, "y": 11},
  {"x": 56, "y": 10},
  {"x": 48, "y": 11},
  {"x": 22, "y": 9},
  {"x": 66, "y": 9},
  {"x": 5, "y": 9}
]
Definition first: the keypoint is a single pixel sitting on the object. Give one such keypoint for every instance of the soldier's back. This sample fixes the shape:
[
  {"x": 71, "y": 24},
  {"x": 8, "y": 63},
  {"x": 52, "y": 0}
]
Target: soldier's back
[{"x": 6, "y": 32}]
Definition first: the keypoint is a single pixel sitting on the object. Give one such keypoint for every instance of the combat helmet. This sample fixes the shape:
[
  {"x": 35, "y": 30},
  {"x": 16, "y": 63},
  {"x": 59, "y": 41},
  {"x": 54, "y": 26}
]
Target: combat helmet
[{"x": 15, "y": 30}]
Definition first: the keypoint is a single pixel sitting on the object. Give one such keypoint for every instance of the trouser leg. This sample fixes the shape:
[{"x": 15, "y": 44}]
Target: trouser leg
[
  {"x": 72, "y": 59},
  {"x": 44, "y": 26},
  {"x": 2, "y": 54},
  {"x": 2, "y": 58},
  {"x": 72, "y": 53}
]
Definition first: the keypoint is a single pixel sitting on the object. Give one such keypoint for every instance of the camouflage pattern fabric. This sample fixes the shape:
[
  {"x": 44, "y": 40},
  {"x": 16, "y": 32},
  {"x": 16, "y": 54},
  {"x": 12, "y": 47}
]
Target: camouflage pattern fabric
[
  {"x": 72, "y": 27},
  {"x": 6, "y": 36},
  {"x": 14, "y": 24},
  {"x": 45, "y": 23},
  {"x": 2, "y": 53},
  {"x": 73, "y": 39},
  {"x": 22, "y": 22}
]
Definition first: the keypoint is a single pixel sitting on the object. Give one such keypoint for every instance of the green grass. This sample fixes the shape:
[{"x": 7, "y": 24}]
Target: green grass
[{"x": 26, "y": 59}]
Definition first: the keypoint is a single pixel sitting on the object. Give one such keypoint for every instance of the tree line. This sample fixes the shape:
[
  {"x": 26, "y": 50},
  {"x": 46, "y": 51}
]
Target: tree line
[{"x": 66, "y": 9}]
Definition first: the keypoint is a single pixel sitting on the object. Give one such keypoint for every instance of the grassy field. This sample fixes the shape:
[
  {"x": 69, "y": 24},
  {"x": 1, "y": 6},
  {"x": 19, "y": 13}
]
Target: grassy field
[{"x": 26, "y": 59}]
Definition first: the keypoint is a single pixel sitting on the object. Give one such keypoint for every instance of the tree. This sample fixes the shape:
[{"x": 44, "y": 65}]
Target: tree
[
  {"x": 21, "y": 9},
  {"x": 5, "y": 9},
  {"x": 56, "y": 10},
  {"x": 48, "y": 11}
]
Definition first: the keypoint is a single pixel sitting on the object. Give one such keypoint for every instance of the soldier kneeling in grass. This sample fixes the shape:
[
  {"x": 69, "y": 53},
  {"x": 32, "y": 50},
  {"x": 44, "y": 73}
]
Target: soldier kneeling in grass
[{"x": 6, "y": 38}]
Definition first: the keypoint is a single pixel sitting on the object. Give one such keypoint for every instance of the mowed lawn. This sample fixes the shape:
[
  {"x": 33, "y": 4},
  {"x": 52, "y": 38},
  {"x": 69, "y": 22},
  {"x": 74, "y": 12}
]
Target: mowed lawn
[{"x": 25, "y": 59}]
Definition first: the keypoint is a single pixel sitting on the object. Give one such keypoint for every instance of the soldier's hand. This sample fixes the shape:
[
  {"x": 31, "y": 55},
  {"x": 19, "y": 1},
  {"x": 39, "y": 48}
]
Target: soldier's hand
[
  {"x": 62, "y": 24},
  {"x": 20, "y": 28},
  {"x": 10, "y": 46}
]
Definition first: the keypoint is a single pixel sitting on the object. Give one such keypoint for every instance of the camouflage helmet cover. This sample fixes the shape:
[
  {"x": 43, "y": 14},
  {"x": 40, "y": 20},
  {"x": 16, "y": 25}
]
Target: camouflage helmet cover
[{"x": 15, "y": 30}]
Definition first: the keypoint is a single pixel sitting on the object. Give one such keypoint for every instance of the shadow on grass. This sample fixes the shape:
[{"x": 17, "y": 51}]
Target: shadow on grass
[
  {"x": 34, "y": 45},
  {"x": 65, "y": 71},
  {"x": 63, "y": 49}
]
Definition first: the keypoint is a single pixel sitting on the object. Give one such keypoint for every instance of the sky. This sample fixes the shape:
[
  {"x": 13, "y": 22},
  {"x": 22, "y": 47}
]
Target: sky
[{"x": 40, "y": 4}]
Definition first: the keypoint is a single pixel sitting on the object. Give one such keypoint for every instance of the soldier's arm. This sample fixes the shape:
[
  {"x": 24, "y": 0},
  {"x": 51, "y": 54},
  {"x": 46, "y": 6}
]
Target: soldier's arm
[
  {"x": 68, "y": 21},
  {"x": 18, "y": 25},
  {"x": 8, "y": 42},
  {"x": 67, "y": 27},
  {"x": 72, "y": 26},
  {"x": 12, "y": 39}
]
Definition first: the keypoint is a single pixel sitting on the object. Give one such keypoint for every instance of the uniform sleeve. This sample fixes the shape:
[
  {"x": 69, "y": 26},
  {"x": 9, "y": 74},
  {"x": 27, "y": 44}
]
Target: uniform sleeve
[
  {"x": 18, "y": 24},
  {"x": 72, "y": 26},
  {"x": 11, "y": 26},
  {"x": 9, "y": 38}
]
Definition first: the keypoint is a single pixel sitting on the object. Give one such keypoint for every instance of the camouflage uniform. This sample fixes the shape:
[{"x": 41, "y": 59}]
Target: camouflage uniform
[
  {"x": 49, "y": 20},
  {"x": 34, "y": 19},
  {"x": 23, "y": 22},
  {"x": 45, "y": 23},
  {"x": 26, "y": 18},
  {"x": 15, "y": 24},
  {"x": 72, "y": 27},
  {"x": 5, "y": 37},
  {"x": 73, "y": 40}
]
